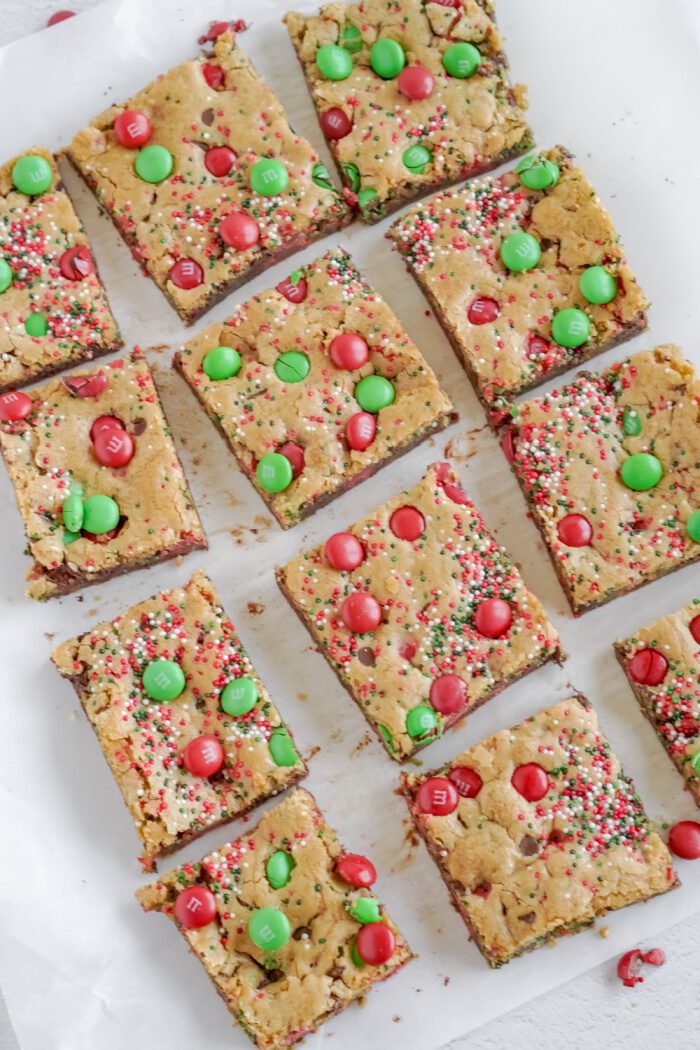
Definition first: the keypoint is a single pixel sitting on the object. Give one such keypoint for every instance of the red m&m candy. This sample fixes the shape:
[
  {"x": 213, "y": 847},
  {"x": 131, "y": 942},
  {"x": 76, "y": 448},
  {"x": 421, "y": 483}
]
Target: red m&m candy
[
  {"x": 415, "y": 83},
  {"x": 437, "y": 796},
  {"x": 295, "y": 454},
  {"x": 219, "y": 161},
  {"x": 105, "y": 423},
  {"x": 531, "y": 781},
  {"x": 361, "y": 613},
  {"x": 375, "y": 943},
  {"x": 493, "y": 617},
  {"x": 335, "y": 123},
  {"x": 76, "y": 263},
  {"x": 448, "y": 694},
  {"x": 239, "y": 231},
  {"x": 407, "y": 523},
  {"x": 575, "y": 531},
  {"x": 360, "y": 431},
  {"x": 14, "y": 405},
  {"x": 86, "y": 386},
  {"x": 344, "y": 551},
  {"x": 59, "y": 16},
  {"x": 214, "y": 76},
  {"x": 203, "y": 756},
  {"x": 195, "y": 907},
  {"x": 132, "y": 129},
  {"x": 186, "y": 274},
  {"x": 694, "y": 628},
  {"x": 356, "y": 870},
  {"x": 113, "y": 448},
  {"x": 647, "y": 667},
  {"x": 293, "y": 291},
  {"x": 466, "y": 780},
  {"x": 684, "y": 839},
  {"x": 483, "y": 310},
  {"x": 349, "y": 350}
]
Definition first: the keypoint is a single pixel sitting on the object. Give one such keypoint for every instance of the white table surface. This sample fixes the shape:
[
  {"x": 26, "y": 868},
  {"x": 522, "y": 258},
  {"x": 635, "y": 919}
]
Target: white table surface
[{"x": 592, "y": 1011}]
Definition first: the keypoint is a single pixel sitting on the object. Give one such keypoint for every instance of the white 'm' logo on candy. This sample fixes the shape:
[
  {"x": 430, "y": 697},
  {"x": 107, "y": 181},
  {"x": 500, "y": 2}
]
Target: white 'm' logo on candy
[
  {"x": 266, "y": 934},
  {"x": 188, "y": 269},
  {"x": 162, "y": 680},
  {"x": 193, "y": 904},
  {"x": 209, "y": 752},
  {"x": 440, "y": 796},
  {"x": 114, "y": 444}
]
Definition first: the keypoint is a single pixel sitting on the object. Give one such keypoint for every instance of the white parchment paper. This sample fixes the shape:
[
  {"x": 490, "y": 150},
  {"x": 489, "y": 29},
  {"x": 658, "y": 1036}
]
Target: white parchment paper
[{"x": 80, "y": 965}]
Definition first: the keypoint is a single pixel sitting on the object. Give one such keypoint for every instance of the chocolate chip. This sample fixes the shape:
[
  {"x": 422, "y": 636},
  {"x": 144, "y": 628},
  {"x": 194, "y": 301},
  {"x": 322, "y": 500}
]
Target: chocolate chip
[
  {"x": 138, "y": 426},
  {"x": 529, "y": 918},
  {"x": 366, "y": 656},
  {"x": 207, "y": 117},
  {"x": 529, "y": 846}
]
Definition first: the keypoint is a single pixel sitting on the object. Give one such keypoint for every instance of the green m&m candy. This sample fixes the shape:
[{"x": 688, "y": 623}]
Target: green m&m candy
[
  {"x": 420, "y": 721},
  {"x": 365, "y": 196},
  {"x": 631, "y": 422},
  {"x": 570, "y": 328},
  {"x": 274, "y": 472},
  {"x": 351, "y": 39},
  {"x": 292, "y": 366},
  {"x": 163, "y": 680},
  {"x": 320, "y": 176},
  {"x": 5, "y": 275},
  {"x": 692, "y": 526},
  {"x": 70, "y": 537},
  {"x": 416, "y": 159},
  {"x": 239, "y": 696},
  {"x": 520, "y": 252},
  {"x": 223, "y": 362},
  {"x": 597, "y": 285},
  {"x": 352, "y": 174},
  {"x": 72, "y": 511},
  {"x": 461, "y": 60},
  {"x": 355, "y": 956},
  {"x": 387, "y": 737},
  {"x": 279, "y": 869},
  {"x": 641, "y": 472},
  {"x": 75, "y": 487},
  {"x": 537, "y": 173},
  {"x": 387, "y": 58},
  {"x": 366, "y": 909},
  {"x": 100, "y": 514},
  {"x": 36, "y": 325},
  {"x": 32, "y": 175},
  {"x": 268, "y": 177},
  {"x": 269, "y": 929},
  {"x": 373, "y": 393},
  {"x": 153, "y": 163},
  {"x": 281, "y": 748},
  {"x": 333, "y": 62},
  {"x": 695, "y": 762}
]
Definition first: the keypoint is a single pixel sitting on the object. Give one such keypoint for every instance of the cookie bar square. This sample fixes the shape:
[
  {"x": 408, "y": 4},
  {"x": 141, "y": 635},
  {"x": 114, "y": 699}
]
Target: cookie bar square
[
  {"x": 525, "y": 272},
  {"x": 410, "y": 96},
  {"x": 662, "y": 663},
  {"x": 314, "y": 384},
  {"x": 205, "y": 180},
  {"x": 188, "y": 729},
  {"x": 419, "y": 611},
  {"x": 97, "y": 478},
  {"x": 537, "y": 832},
  {"x": 53, "y": 307},
  {"x": 610, "y": 468},
  {"x": 283, "y": 922}
]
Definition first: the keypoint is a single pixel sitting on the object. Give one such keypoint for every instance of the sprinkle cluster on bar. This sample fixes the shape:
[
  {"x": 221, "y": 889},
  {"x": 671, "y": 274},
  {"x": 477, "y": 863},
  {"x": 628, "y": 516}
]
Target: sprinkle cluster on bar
[
  {"x": 410, "y": 95},
  {"x": 525, "y": 272},
  {"x": 610, "y": 465},
  {"x": 96, "y": 504},
  {"x": 662, "y": 663},
  {"x": 320, "y": 372},
  {"x": 420, "y": 612},
  {"x": 204, "y": 178},
  {"x": 288, "y": 884},
  {"x": 187, "y": 764},
  {"x": 53, "y": 307},
  {"x": 537, "y": 831}
]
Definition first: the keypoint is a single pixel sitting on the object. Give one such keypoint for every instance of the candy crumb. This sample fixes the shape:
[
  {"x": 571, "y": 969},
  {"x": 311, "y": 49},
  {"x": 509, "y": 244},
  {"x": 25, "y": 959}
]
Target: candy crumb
[
  {"x": 604, "y": 932},
  {"x": 629, "y": 964}
]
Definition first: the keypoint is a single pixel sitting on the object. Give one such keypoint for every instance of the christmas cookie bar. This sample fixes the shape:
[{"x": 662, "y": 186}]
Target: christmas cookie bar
[
  {"x": 187, "y": 727},
  {"x": 537, "y": 832},
  {"x": 205, "y": 180},
  {"x": 525, "y": 273},
  {"x": 53, "y": 308},
  {"x": 315, "y": 385},
  {"x": 284, "y": 923},
  {"x": 96, "y": 476},
  {"x": 410, "y": 96},
  {"x": 662, "y": 663},
  {"x": 610, "y": 467},
  {"x": 419, "y": 612}
]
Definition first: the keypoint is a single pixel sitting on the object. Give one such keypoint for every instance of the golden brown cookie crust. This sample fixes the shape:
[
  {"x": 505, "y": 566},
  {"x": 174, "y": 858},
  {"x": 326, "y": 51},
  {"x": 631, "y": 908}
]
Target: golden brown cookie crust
[
  {"x": 52, "y": 447},
  {"x": 428, "y": 591},
  {"x": 468, "y": 125},
  {"x": 278, "y": 1000},
  {"x": 35, "y": 231},
  {"x": 522, "y": 873},
  {"x": 451, "y": 245},
  {"x": 179, "y": 218}
]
